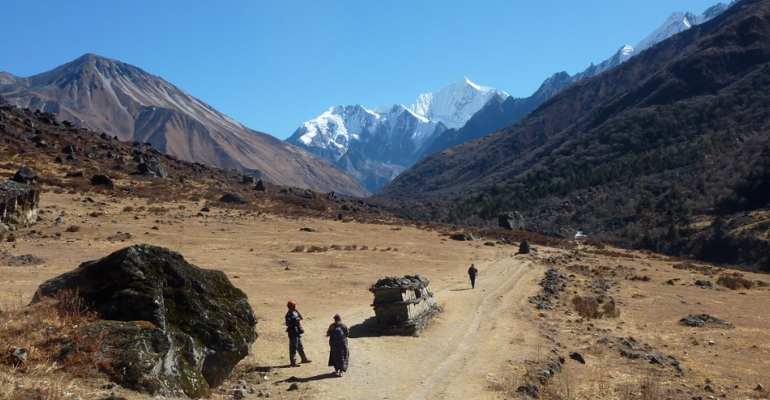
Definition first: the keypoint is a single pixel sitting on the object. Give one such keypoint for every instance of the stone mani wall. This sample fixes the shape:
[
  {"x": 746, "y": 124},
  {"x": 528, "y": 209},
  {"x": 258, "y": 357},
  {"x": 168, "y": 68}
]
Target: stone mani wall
[
  {"x": 18, "y": 205},
  {"x": 403, "y": 306}
]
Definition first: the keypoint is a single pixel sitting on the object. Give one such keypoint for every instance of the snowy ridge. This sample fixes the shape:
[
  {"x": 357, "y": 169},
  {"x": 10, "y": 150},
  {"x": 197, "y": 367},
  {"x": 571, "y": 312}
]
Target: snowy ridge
[
  {"x": 677, "y": 22},
  {"x": 333, "y": 132},
  {"x": 454, "y": 104}
]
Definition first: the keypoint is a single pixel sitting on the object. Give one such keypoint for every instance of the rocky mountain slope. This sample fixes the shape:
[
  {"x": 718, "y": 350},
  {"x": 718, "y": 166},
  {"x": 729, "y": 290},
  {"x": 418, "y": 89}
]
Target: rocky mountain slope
[
  {"x": 496, "y": 114},
  {"x": 389, "y": 139},
  {"x": 658, "y": 152},
  {"x": 121, "y": 100}
]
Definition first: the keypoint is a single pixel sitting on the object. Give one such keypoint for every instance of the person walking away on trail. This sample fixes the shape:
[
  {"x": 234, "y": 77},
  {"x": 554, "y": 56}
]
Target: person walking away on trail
[
  {"x": 295, "y": 331},
  {"x": 339, "y": 352},
  {"x": 472, "y": 272}
]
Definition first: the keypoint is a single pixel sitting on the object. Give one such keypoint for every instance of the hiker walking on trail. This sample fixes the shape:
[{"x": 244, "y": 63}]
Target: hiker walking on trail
[
  {"x": 338, "y": 342},
  {"x": 472, "y": 272},
  {"x": 295, "y": 331}
]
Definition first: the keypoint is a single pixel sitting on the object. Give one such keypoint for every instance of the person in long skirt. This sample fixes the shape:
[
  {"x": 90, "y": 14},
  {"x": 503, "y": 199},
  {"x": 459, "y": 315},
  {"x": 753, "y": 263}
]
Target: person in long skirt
[{"x": 339, "y": 353}]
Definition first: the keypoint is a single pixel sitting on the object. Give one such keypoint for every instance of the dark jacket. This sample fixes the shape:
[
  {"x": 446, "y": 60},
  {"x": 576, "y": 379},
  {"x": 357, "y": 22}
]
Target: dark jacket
[{"x": 293, "y": 326}]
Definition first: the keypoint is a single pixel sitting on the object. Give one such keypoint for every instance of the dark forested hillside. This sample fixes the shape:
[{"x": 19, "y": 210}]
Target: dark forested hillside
[{"x": 669, "y": 151}]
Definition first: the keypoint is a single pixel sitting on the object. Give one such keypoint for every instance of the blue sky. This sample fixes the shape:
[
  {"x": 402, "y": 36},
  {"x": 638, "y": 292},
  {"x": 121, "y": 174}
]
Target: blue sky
[{"x": 272, "y": 65}]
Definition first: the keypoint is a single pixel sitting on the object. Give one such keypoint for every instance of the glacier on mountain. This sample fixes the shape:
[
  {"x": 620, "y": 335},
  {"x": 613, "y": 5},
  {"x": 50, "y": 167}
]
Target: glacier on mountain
[
  {"x": 332, "y": 133},
  {"x": 390, "y": 138}
]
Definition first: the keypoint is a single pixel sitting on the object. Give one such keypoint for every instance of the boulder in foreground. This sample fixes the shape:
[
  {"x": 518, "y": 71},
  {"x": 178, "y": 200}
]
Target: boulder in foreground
[
  {"x": 18, "y": 205},
  {"x": 168, "y": 327}
]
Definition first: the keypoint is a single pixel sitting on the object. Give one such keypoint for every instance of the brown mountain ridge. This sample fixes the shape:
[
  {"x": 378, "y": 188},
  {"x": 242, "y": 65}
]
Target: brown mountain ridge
[{"x": 121, "y": 100}]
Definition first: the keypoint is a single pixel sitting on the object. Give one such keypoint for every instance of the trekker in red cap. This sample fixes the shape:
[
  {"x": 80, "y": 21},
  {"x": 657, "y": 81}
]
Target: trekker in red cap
[{"x": 295, "y": 331}]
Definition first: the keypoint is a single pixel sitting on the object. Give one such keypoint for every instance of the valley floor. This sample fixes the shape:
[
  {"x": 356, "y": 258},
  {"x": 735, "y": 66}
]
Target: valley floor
[{"x": 475, "y": 349}]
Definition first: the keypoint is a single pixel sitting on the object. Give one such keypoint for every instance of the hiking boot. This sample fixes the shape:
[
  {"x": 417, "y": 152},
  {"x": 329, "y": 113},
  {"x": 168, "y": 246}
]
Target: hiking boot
[
  {"x": 294, "y": 364},
  {"x": 306, "y": 361}
]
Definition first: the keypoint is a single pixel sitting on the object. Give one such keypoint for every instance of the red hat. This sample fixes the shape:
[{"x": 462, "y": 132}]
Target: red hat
[{"x": 291, "y": 303}]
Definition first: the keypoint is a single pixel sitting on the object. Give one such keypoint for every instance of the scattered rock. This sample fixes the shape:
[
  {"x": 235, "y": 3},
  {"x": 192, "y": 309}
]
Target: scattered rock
[
  {"x": 25, "y": 175},
  {"x": 247, "y": 179},
  {"x": 233, "y": 197},
  {"x": 489, "y": 244},
  {"x": 760, "y": 387},
  {"x": 19, "y": 355},
  {"x": 577, "y": 356},
  {"x": 205, "y": 209},
  {"x": 702, "y": 320},
  {"x": 240, "y": 393},
  {"x": 524, "y": 247},
  {"x": 306, "y": 229},
  {"x": 293, "y": 386},
  {"x": 98, "y": 180},
  {"x": 704, "y": 284},
  {"x": 260, "y": 186},
  {"x": 462, "y": 237},
  {"x": 74, "y": 174}
]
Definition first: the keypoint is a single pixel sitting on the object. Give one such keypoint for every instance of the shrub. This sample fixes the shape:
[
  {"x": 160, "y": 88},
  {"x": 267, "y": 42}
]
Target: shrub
[
  {"x": 364, "y": 247},
  {"x": 298, "y": 249},
  {"x": 73, "y": 228},
  {"x": 128, "y": 209},
  {"x": 589, "y": 307},
  {"x": 157, "y": 210},
  {"x": 317, "y": 249},
  {"x": 97, "y": 214},
  {"x": 336, "y": 247},
  {"x": 735, "y": 281}
]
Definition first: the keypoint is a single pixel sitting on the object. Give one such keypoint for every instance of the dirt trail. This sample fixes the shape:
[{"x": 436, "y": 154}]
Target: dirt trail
[{"x": 455, "y": 356}]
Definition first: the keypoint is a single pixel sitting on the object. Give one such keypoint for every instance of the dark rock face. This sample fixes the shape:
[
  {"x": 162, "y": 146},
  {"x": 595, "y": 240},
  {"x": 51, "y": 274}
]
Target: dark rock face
[
  {"x": 306, "y": 193},
  {"x": 25, "y": 175},
  {"x": 152, "y": 167},
  {"x": 247, "y": 179},
  {"x": 702, "y": 320},
  {"x": 97, "y": 180},
  {"x": 172, "y": 327},
  {"x": 462, "y": 237},
  {"x": 511, "y": 221},
  {"x": 233, "y": 197},
  {"x": 524, "y": 247},
  {"x": 18, "y": 205},
  {"x": 260, "y": 186}
]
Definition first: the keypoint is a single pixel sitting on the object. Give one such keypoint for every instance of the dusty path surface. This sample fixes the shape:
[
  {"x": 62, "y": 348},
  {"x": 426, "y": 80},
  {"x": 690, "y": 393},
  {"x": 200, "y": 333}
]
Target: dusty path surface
[{"x": 458, "y": 353}]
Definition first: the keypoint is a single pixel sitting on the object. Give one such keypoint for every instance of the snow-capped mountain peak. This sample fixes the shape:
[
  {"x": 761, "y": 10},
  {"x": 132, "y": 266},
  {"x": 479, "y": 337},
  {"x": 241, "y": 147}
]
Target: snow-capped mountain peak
[{"x": 454, "y": 104}]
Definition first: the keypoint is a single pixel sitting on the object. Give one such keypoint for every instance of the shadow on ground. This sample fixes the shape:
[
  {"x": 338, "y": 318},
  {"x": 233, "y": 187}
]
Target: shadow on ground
[
  {"x": 318, "y": 377},
  {"x": 368, "y": 328}
]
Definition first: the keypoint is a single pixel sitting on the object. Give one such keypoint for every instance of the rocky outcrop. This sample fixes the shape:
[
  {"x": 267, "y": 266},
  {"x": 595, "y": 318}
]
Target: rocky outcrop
[
  {"x": 152, "y": 167},
  {"x": 233, "y": 197},
  {"x": 511, "y": 221},
  {"x": 169, "y": 327},
  {"x": 18, "y": 205},
  {"x": 25, "y": 175}
]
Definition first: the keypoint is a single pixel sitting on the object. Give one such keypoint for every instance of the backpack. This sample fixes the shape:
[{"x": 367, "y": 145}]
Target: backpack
[{"x": 337, "y": 334}]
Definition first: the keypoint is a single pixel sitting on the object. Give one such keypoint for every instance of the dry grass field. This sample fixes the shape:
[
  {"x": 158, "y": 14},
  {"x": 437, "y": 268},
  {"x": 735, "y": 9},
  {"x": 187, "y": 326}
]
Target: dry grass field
[{"x": 485, "y": 344}]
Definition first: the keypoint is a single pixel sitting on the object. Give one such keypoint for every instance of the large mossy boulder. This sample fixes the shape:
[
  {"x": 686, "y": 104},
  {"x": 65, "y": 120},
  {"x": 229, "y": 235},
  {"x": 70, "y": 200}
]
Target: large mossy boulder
[
  {"x": 19, "y": 205},
  {"x": 167, "y": 326}
]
